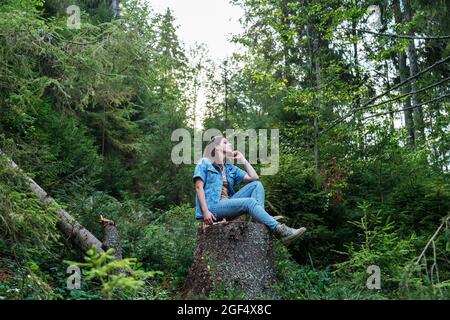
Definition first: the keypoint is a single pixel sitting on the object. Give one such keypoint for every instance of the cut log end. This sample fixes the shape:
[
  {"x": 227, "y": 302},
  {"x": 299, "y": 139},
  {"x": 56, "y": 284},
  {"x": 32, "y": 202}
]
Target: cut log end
[
  {"x": 111, "y": 237},
  {"x": 235, "y": 256}
]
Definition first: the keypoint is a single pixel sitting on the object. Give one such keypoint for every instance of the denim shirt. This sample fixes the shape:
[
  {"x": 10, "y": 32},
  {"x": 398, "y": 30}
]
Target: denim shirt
[{"x": 213, "y": 181}]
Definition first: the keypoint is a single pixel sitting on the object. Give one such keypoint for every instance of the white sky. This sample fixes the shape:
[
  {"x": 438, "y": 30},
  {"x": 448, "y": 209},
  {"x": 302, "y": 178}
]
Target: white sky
[
  {"x": 207, "y": 21},
  {"x": 204, "y": 21}
]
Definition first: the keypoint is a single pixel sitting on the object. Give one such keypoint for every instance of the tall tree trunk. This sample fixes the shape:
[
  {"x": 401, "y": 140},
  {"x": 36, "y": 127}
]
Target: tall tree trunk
[
  {"x": 413, "y": 70},
  {"x": 386, "y": 66},
  {"x": 315, "y": 82},
  {"x": 388, "y": 86},
  {"x": 360, "y": 127},
  {"x": 316, "y": 49},
  {"x": 225, "y": 67},
  {"x": 285, "y": 21},
  {"x": 403, "y": 71}
]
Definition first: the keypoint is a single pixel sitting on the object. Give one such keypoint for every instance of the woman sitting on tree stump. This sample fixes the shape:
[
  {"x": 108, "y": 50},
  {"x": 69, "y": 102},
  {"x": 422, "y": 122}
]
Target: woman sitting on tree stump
[{"x": 216, "y": 200}]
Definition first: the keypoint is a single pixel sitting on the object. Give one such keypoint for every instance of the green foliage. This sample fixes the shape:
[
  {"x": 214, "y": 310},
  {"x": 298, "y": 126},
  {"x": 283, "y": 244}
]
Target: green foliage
[
  {"x": 28, "y": 239},
  {"x": 88, "y": 114},
  {"x": 27, "y": 228},
  {"x": 305, "y": 282},
  {"x": 381, "y": 246},
  {"x": 25, "y": 281},
  {"x": 296, "y": 192},
  {"x": 168, "y": 244},
  {"x": 221, "y": 293},
  {"x": 118, "y": 278}
]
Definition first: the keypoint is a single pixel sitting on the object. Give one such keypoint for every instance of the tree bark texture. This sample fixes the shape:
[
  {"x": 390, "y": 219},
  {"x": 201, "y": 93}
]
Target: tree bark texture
[{"x": 234, "y": 255}]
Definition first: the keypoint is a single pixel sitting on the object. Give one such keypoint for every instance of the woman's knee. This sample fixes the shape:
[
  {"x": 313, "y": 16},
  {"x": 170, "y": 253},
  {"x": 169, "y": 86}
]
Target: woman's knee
[
  {"x": 250, "y": 203},
  {"x": 257, "y": 184}
]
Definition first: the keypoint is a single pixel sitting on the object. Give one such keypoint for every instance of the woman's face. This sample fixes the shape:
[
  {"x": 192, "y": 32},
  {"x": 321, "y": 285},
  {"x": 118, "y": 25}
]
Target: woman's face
[{"x": 224, "y": 146}]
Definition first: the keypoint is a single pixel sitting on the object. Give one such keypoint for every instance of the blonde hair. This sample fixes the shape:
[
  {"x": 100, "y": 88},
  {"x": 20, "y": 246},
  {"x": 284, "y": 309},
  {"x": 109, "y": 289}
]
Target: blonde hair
[{"x": 210, "y": 149}]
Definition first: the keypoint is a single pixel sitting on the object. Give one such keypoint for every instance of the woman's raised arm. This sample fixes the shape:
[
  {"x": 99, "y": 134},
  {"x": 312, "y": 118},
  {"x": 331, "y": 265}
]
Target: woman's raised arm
[{"x": 251, "y": 172}]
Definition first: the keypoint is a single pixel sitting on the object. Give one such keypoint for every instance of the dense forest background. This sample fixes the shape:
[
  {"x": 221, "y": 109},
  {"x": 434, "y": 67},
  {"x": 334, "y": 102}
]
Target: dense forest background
[{"x": 362, "y": 107}]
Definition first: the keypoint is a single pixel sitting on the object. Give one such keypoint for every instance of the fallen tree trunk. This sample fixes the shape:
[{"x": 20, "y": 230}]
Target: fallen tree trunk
[
  {"x": 67, "y": 224},
  {"x": 234, "y": 256}
]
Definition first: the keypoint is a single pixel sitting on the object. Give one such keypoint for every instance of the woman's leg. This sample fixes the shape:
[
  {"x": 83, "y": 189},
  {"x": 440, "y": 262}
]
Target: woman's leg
[
  {"x": 231, "y": 208},
  {"x": 253, "y": 190}
]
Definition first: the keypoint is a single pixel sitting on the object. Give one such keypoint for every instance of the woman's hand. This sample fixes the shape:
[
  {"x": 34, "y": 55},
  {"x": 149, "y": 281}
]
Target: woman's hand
[
  {"x": 251, "y": 173},
  {"x": 238, "y": 155},
  {"x": 208, "y": 217}
]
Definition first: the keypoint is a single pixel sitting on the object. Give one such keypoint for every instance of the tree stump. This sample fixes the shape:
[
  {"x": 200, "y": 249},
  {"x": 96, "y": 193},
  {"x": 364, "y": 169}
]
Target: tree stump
[
  {"x": 233, "y": 255},
  {"x": 111, "y": 237}
]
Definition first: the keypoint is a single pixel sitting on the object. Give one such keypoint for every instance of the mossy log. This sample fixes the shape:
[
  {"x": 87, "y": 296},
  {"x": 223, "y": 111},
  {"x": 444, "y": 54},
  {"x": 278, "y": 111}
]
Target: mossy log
[
  {"x": 67, "y": 224},
  {"x": 233, "y": 256}
]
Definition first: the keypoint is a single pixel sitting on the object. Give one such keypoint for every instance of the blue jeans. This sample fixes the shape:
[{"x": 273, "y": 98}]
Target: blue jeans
[{"x": 249, "y": 199}]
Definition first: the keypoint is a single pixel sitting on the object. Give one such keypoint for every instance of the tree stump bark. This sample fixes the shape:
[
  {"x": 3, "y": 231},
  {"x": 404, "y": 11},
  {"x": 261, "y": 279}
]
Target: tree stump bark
[
  {"x": 111, "y": 238},
  {"x": 233, "y": 255}
]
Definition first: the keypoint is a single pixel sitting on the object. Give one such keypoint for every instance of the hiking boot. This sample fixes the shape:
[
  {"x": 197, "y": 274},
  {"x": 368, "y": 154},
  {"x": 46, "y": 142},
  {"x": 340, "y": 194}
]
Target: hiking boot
[
  {"x": 279, "y": 218},
  {"x": 287, "y": 234}
]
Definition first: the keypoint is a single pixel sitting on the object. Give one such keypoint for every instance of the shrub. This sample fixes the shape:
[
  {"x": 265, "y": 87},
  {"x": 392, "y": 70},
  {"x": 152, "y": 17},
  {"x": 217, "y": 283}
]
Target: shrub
[
  {"x": 168, "y": 244},
  {"x": 118, "y": 278}
]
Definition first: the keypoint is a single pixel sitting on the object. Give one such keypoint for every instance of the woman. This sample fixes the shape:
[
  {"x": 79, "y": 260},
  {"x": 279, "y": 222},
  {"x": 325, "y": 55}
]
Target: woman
[{"x": 216, "y": 200}]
